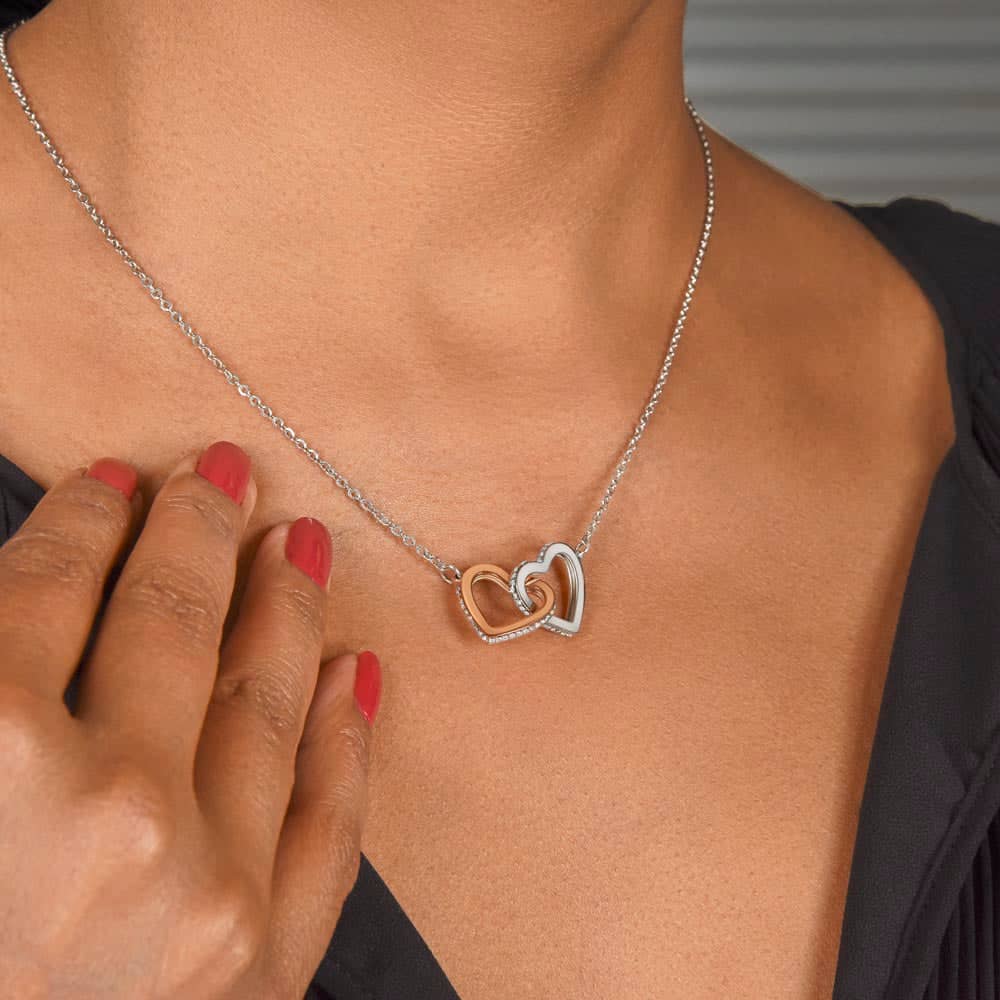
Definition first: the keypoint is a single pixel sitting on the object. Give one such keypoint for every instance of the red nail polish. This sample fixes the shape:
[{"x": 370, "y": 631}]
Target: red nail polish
[
  {"x": 117, "y": 474},
  {"x": 227, "y": 466},
  {"x": 308, "y": 547},
  {"x": 368, "y": 685}
]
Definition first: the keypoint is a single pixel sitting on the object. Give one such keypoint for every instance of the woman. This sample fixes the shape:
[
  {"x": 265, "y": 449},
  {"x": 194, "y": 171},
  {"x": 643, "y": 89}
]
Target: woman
[{"x": 453, "y": 246}]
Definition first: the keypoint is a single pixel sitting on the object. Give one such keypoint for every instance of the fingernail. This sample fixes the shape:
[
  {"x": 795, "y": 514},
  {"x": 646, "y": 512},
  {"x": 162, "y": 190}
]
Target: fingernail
[
  {"x": 336, "y": 678},
  {"x": 368, "y": 684},
  {"x": 308, "y": 547},
  {"x": 227, "y": 466},
  {"x": 117, "y": 474}
]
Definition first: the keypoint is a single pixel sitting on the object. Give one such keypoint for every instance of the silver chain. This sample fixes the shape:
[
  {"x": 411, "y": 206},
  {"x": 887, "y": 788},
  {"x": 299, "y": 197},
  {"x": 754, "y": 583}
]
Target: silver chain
[{"x": 449, "y": 572}]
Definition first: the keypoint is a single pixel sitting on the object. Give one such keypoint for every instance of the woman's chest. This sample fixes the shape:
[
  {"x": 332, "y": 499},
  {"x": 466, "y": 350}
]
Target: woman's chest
[{"x": 667, "y": 800}]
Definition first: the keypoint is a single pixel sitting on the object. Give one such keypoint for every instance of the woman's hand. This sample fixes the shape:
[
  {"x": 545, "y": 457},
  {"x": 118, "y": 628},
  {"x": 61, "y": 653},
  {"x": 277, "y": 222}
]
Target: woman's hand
[{"x": 152, "y": 844}]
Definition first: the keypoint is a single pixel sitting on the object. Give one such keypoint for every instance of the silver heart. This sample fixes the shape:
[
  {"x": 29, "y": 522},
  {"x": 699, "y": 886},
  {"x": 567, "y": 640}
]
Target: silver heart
[{"x": 574, "y": 603}]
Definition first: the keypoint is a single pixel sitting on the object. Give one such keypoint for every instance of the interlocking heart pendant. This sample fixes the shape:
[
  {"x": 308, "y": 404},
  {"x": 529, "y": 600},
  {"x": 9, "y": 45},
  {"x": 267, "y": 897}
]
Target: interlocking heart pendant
[{"x": 533, "y": 597}]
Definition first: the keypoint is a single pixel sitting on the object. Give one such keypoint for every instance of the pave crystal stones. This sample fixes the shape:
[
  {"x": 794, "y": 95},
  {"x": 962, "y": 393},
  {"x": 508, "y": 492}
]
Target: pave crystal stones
[
  {"x": 525, "y": 576},
  {"x": 542, "y": 595}
]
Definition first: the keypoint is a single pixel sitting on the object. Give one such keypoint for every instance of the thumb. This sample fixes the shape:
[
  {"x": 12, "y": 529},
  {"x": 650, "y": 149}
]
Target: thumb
[{"x": 319, "y": 850}]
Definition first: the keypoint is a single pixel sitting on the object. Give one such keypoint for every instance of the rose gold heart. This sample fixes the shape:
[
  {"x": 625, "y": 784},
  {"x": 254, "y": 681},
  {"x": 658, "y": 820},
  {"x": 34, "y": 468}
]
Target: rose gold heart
[{"x": 541, "y": 593}]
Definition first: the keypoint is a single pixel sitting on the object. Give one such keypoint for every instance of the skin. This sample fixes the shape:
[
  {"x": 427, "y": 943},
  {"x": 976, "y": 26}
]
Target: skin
[{"x": 505, "y": 198}]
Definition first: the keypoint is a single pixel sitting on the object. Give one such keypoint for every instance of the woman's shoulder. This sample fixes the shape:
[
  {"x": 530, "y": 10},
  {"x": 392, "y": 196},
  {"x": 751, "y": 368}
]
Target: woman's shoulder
[{"x": 953, "y": 254}]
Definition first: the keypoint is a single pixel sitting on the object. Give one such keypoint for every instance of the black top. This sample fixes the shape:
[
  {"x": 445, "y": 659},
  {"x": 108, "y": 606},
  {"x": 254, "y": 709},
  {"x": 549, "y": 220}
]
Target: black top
[{"x": 922, "y": 918}]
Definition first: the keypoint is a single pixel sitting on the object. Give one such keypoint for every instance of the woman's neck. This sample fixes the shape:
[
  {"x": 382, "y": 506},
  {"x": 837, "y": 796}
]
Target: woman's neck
[{"x": 454, "y": 145}]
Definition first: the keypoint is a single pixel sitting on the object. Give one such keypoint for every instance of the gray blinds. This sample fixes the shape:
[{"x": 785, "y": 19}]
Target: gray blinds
[{"x": 860, "y": 100}]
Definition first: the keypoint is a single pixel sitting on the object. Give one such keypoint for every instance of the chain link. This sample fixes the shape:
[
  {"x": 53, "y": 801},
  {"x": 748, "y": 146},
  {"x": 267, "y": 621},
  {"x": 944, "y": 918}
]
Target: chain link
[
  {"x": 448, "y": 572},
  {"x": 583, "y": 546}
]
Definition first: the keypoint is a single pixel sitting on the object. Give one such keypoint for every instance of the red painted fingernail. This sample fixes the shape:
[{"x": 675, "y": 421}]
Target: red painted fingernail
[
  {"x": 368, "y": 685},
  {"x": 117, "y": 474},
  {"x": 227, "y": 466},
  {"x": 308, "y": 547}
]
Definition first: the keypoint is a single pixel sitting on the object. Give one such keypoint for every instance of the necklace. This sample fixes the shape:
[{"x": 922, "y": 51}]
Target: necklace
[{"x": 534, "y": 600}]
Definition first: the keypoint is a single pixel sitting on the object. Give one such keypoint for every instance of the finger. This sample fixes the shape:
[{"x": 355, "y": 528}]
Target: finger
[
  {"x": 155, "y": 658},
  {"x": 53, "y": 572},
  {"x": 267, "y": 672},
  {"x": 319, "y": 852}
]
